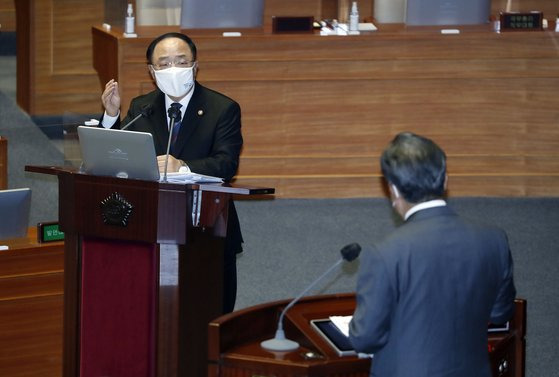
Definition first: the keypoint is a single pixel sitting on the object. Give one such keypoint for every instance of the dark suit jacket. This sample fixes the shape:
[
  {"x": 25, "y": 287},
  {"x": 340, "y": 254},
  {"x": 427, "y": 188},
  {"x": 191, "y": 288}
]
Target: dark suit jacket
[
  {"x": 426, "y": 294},
  {"x": 209, "y": 139}
]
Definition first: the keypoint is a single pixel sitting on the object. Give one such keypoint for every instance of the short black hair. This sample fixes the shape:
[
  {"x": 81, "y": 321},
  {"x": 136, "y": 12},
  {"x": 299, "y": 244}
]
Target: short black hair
[
  {"x": 416, "y": 166},
  {"x": 189, "y": 42}
]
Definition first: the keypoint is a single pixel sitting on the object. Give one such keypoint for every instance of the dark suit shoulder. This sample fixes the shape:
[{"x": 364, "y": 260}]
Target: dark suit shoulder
[{"x": 434, "y": 226}]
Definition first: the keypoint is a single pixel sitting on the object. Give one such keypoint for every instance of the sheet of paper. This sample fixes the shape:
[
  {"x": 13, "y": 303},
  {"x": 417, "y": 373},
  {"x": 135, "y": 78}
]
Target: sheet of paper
[
  {"x": 191, "y": 178},
  {"x": 341, "y": 322},
  {"x": 367, "y": 26}
]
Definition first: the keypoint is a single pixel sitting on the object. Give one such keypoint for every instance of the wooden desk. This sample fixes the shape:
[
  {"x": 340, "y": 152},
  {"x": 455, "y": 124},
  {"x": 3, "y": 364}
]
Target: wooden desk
[
  {"x": 31, "y": 301},
  {"x": 234, "y": 341},
  {"x": 317, "y": 111}
]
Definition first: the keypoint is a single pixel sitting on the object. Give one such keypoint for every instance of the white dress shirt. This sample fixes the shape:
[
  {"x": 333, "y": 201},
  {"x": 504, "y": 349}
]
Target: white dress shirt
[{"x": 424, "y": 205}]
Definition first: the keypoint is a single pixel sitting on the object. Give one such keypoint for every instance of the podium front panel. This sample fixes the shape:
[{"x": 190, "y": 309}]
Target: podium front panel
[{"x": 118, "y": 308}]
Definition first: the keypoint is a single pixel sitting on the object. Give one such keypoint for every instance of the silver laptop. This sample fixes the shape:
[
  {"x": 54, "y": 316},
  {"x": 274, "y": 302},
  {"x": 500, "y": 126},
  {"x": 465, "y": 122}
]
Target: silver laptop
[
  {"x": 14, "y": 207},
  {"x": 116, "y": 153}
]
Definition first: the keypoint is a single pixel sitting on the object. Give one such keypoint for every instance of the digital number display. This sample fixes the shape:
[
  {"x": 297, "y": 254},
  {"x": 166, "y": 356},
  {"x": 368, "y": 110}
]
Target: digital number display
[{"x": 514, "y": 21}]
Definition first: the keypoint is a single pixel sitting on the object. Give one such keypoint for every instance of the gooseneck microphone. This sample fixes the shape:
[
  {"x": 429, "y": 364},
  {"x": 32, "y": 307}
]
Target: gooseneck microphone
[
  {"x": 175, "y": 116},
  {"x": 279, "y": 342},
  {"x": 145, "y": 111}
]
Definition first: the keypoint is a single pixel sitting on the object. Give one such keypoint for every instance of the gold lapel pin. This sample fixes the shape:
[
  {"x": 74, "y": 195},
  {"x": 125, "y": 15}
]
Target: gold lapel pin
[{"x": 200, "y": 112}]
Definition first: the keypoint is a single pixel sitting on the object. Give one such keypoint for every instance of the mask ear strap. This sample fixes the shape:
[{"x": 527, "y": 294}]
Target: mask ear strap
[{"x": 395, "y": 191}]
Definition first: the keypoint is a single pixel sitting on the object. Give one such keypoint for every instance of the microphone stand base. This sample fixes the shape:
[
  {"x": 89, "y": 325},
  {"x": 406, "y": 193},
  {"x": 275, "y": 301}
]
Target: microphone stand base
[{"x": 279, "y": 345}]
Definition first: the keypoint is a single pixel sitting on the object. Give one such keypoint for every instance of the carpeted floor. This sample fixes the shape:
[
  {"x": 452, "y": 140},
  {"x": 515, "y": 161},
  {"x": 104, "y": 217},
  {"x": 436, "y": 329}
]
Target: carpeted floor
[
  {"x": 289, "y": 243},
  {"x": 27, "y": 145}
]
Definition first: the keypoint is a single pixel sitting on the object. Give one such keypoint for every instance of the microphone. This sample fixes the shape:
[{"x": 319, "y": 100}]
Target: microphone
[
  {"x": 279, "y": 342},
  {"x": 175, "y": 116},
  {"x": 145, "y": 111}
]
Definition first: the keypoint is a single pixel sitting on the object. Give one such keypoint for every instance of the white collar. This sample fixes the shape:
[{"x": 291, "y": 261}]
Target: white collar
[{"x": 424, "y": 205}]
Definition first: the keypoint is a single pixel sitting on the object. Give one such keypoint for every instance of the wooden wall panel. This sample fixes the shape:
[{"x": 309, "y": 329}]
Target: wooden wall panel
[
  {"x": 61, "y": 77},
  {"x": 68, "y": 53},
  {"x": 313, "y": 117},
  {"x": 31, "y": 301},
  {"x": 368, "y": 165},
  {"x": 352, "y": 186},
  {"x": 7, "y": 15},
  {"x": 31, "y": 337}
]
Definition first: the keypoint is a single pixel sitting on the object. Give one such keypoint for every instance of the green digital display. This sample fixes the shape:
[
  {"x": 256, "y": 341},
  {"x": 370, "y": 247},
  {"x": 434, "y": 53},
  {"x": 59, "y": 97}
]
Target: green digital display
[{"x": 50, "y": 232}]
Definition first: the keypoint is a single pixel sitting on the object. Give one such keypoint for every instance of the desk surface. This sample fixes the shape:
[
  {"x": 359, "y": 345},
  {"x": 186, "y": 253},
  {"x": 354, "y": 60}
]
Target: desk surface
[{"x": 30, "y": 242}]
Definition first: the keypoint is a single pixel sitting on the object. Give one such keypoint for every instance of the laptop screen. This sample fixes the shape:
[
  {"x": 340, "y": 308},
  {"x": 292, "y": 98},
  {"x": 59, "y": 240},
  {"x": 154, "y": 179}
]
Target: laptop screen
[
  {"x": 117, "y": 153},
  {"x": 14, "y": 207}
]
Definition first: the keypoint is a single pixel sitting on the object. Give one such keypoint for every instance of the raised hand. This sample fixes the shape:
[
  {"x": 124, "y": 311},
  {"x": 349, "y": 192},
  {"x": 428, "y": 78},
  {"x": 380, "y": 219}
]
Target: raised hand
[{"x": 111, "y": 98}]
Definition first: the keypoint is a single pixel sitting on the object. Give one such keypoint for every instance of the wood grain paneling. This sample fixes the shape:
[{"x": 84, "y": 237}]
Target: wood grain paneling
[
  {"x": 24, "y": 263},
  {"x": 31, "y": 337},
  {"x": 7, "y": 15},
  {"x": 31, "y": 301},
  {"x": 69, "y": 57},
  {"x": 367, "y": 165},
  {"x": 354, "y": 186},
  {"x": 315, "y": 124},
  {"x": 38, "y": 285},
  {"x": 54, "y": 41}
]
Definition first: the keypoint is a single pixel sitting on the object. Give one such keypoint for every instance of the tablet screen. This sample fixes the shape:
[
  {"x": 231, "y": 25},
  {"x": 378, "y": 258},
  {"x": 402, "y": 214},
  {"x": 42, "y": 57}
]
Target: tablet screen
[{"x": 333, "y": 336}]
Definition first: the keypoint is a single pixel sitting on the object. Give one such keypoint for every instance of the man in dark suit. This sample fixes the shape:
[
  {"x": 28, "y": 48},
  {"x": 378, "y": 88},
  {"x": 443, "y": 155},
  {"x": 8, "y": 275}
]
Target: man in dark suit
[
  {"x": 206, "y": 138},
  {"x": 426, "y": 293}
]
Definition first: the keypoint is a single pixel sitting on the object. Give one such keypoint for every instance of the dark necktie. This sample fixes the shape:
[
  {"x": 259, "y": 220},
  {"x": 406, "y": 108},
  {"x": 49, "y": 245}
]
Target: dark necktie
[{"x": 176, "y": 127}]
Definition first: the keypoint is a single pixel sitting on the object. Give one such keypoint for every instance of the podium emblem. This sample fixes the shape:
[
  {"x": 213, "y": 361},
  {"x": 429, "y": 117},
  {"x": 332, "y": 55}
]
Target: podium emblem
[{"x": 116, "y": 210}]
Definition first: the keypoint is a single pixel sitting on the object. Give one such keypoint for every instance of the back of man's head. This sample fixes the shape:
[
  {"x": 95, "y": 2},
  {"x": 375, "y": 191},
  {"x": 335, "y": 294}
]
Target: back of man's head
[{"x": 416, "y": 166}]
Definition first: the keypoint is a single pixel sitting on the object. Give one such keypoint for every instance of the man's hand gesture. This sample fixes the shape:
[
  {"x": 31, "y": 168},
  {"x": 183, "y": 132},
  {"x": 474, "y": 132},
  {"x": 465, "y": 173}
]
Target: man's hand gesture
[{"x": 111, "y": 98}]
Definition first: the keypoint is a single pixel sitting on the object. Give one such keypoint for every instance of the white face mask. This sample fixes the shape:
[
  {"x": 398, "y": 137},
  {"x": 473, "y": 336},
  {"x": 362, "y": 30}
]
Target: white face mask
[{"x": 174, "y": 81}]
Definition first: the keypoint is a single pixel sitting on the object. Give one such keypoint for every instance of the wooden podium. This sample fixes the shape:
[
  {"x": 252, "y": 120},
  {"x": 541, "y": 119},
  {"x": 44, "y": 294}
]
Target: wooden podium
[
  {"x": 234, "y": 342},
  {"x": 143, "y": 272}
]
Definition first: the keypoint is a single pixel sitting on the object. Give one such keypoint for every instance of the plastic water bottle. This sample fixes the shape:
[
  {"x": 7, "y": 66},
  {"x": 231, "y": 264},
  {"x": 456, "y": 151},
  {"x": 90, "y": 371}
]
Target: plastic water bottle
[
  {"x": 354, "y": 18},
  {"x": 130, "y": 20}
]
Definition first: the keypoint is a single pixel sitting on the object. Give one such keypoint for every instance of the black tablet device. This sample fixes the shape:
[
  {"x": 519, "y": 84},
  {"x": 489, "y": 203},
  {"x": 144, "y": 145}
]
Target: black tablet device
[{"x": 326, "y": 328}]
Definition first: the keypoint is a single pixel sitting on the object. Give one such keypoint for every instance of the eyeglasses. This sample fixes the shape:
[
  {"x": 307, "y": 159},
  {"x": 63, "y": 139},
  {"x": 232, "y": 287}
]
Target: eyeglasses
[{"x": 178, "y": 64}]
